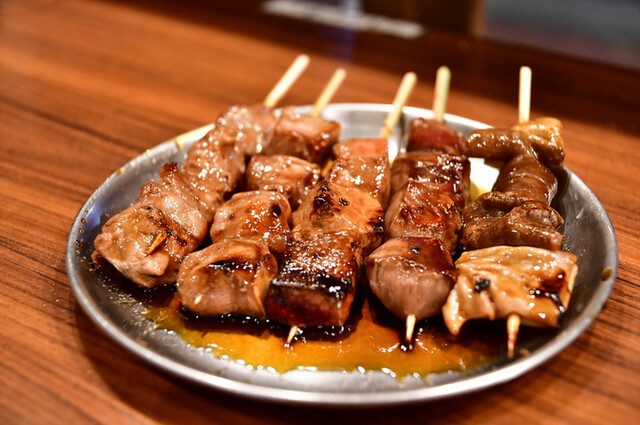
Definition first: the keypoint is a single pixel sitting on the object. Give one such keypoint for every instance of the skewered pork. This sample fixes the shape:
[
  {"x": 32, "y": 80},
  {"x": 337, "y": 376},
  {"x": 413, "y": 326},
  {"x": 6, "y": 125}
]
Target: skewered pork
[{"x": 433, "y": 136}]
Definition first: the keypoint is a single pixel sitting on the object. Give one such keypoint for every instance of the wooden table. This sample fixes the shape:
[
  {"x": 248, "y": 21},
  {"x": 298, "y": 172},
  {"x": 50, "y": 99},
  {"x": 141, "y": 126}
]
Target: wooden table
[{"x": 86, "y": 86}]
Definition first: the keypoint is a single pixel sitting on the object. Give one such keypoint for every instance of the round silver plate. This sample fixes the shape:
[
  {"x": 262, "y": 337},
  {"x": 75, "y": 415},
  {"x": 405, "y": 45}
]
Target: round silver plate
[{"x": 588, "y": 234}]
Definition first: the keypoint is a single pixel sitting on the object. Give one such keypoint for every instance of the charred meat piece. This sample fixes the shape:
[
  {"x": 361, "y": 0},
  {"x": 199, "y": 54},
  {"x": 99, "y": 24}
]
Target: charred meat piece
[
  {"x": 540, "y": 138},
  {"x": 433, "y": 136},
  {"x": 510, "y": 218},
  {"x": 527, "y": 175},
  {"x": 148, "y": 241},
  {"x": 332, "y": 208},
  {"x": 495, "y": 282},
  {"x": 317, "y": 281},
  {"x": 291, "y": 176},
  {"x": 411, "y": 276},
  {"x": 363, "y": 164},
  {"x": 302, "y": 136},
  {"x": 446, "y": 173},
  {"x": 249, "y": 127},
  {"x": 229, "y": 276},
  {"x": 256, "y": 215},
  {"x": 416, "y": 210}
]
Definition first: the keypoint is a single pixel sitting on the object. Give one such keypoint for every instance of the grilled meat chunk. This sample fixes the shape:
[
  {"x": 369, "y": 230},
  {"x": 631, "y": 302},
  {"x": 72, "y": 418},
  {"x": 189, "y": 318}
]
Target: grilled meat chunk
[
  {"x": 256, "y": 215},
  {"x": 363, "y": 164},
  {"x": 433, "y": 136},
  {"x": 510, "y": 218},
  {"x": 302, "y": 136},
  {"x": 416, "y": 210},
  {"x": 495, "y": 282},
  {"x": 317, "y": 281},
  {"x": 446, "y": 173},
  {"x": 331, "y": 208},
  {"x": 163, "y": 213},
  {"x": 540, "y": 138},
  {"x": 249, "y": 127},
  {"x": 411, "y": 276},
  {"x": 527, "y": 175},
  {"x": 229, "y": 276},
  {"x": 291, "y": 176}
]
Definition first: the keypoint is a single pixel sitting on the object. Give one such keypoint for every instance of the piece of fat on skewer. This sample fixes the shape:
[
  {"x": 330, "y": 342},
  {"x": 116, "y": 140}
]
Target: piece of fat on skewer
[{"x": 402, "y": 95}]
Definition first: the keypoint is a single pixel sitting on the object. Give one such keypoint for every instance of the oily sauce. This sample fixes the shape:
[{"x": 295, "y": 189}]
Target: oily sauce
[{"x": 372, "y": 340}]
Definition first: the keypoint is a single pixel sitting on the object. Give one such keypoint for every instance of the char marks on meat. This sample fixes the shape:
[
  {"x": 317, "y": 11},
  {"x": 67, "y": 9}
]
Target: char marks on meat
[
  {"x": 495, "y": 282},
  {"x": 229, "y": 276}
]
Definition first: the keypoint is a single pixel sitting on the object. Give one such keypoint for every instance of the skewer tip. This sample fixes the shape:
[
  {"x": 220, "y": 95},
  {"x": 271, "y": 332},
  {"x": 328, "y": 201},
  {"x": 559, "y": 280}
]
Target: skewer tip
[
  {"x": 513, "y": 325},
  {"x": 443, "y": 80},
  {"x": 286, "y": 81},
  {"x": 524, "y": 94},
  {"x": 292, "y": 333},
  {"x": 411, "y": 324}
]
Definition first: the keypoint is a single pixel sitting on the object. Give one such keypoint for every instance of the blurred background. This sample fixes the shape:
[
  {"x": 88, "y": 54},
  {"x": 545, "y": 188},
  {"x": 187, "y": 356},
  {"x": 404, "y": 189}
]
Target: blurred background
[{"x": 605, "y": 31}]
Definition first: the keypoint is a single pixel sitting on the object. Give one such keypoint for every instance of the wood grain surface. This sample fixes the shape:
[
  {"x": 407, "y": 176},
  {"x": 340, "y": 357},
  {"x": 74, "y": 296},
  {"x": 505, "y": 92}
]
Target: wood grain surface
[{"x": 86, "y": 86}]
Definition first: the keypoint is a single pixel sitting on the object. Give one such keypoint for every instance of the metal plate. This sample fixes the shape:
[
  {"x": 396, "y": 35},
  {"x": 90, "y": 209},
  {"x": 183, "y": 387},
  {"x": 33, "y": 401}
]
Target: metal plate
[{"x": 588, "y": 234}]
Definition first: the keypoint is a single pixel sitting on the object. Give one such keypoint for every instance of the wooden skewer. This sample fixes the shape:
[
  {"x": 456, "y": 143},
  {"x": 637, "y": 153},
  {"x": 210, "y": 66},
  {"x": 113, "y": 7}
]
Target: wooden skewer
[
  {"x": 323, "y": 100},
  {"x": 411, "y": 324},
  {"x": 292, "y": 333},
  {"x": 329, "y": 91},
  {"x": 157, "y": 241},
  {"x": 443, "y": 80},
  {"x": 286, "y": 81},
  {"x": 402, "y": 95},
  {"x": 524, "y": 108}
]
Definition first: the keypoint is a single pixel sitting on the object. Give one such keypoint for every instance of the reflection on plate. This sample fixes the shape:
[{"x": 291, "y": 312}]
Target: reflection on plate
[{"x": 588, "y": 234}]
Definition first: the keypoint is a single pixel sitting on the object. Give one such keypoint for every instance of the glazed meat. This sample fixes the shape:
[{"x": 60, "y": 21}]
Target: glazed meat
[
  {"x": 445, "y": 173},
  {"x": 291, "y": 176},
  {"x": 302, "y": 136},
  {"x": 416, "y": 210},
  {"x": 411, "y": 276},
  {"x": 249, "y": 127},
  {"x": 527, "y": 175},
  {"x": 229, "y": 276},
  {"x": 495, "y": 282},
  {"x": 433, "y": 136},
  {"x": 334, "y": 209},
  {"x": 363, "y": 164},
  {"x": 148, "y": 241},
  {"x": 540, "y": 138},
  {"x": 317, "y": 281},
  {"x": 255, "y": 215},
  {"x": 510, "y": 218}
]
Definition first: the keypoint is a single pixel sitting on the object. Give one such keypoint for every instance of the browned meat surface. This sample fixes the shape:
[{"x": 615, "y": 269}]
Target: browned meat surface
[
  {"x": 332, "y": 208},
  {"x": 291, "y": 176},
  {"x": 229, "y": 276},
  {"x": 527, "y": 175},
  {"x": 411, "y": 276},
  {"x": 250, "y": 127},
  {"x": 442, "y": 172},
  {"x": 495, "y": 282},
  {"x": 163, "y": 211},
  {"x": 433, "y": 136},
  {"x": 255, "y": 215},
  {"x": 316, "y": 282},
  {"x": 416, "y": 210},
  {"x": 510, "y": 218},
  {"x": 363, "y": 164},
  {"x": 302, "y": 136},
  {"x": 216, "y": 162},
  {"x": 540, "y": 139}
]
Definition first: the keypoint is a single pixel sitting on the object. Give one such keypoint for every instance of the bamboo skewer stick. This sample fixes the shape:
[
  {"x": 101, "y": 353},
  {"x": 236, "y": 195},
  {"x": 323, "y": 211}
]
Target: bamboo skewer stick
[
  {"x": 443, "y": 80},
  {"x": 157, "y": 241},
  {"x": 286, "y": 81},
  {"x": 402, "y": 95},
  {"x": 524, "y": 109}
]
